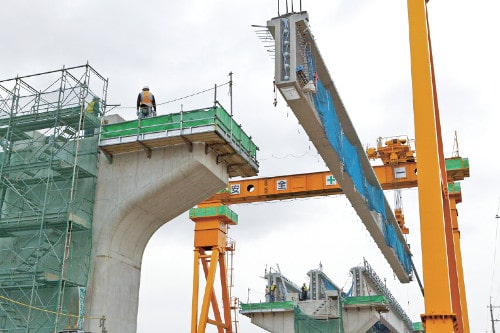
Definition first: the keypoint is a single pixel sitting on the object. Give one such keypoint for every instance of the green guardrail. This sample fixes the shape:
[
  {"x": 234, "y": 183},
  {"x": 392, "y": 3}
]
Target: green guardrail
[
  {"x": 267, "y": 306},
  {"x": 214, "y": 211},
  {"x": 216, "y": 116},
  {"x": 418, "y": 327},
  {"x": 454, "y": 187},
  {"x": 366, "y": 300},
  {"x": 457, "y": 163}
]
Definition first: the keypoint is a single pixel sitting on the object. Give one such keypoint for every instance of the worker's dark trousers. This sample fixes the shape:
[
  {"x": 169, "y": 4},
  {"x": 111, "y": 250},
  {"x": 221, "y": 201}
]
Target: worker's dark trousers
[{"x": 144, "y": 112}]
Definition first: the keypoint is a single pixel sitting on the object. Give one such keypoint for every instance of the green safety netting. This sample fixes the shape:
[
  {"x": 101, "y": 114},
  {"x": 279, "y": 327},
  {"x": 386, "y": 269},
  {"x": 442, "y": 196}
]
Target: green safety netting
[
  {"x": 306, "y": 324},
  {"x": 48, "y": 172}
]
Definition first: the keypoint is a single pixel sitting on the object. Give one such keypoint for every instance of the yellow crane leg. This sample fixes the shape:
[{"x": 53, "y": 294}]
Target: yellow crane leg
[
  {"x": 453, "y": 265},
  {"x": 460, "y": 271},
  {"x": 208, "y": 297},
  {"x": 438, "y": 317},
  {"x": 210, "y": 249},
  {"x": 209, "y": 264},
  {"x": 196, "y": 284},
  {"x": 226, "y": 302},
  {"x": 213, "y": 299}
]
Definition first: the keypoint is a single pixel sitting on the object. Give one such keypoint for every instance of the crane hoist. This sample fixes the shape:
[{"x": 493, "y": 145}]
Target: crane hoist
[{"x": 212, "y": 217}]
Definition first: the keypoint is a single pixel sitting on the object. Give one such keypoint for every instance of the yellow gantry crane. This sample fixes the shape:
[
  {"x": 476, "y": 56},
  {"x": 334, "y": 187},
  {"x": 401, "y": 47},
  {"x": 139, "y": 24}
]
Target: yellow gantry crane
[
  {"x": 210, "y": 246},
  {"x": 213, "y": 216},
  {"x": 445, "y": 300},
  {"x": 445, "y": 303}
]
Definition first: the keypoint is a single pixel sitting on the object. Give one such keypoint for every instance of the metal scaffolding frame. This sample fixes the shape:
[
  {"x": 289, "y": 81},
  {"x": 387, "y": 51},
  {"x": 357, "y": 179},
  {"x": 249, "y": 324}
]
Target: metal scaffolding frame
[{"x": 48, "y": 169}]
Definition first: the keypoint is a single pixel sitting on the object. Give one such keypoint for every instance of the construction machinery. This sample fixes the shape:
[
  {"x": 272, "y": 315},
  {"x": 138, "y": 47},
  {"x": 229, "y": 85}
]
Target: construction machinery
[
  {"x": 212, "y": 217},
  {"x": 324, "y": 118},
  {"x": 441, "y": 258},
  {"x": 44, "y": 157}
]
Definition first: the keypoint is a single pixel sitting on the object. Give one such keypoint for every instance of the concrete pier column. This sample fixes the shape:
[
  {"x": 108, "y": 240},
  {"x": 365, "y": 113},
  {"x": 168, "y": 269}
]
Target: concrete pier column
[{"x": 135, "y": 196}]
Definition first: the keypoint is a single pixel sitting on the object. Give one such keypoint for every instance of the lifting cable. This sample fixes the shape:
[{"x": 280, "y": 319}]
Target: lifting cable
[{"x": 180, "y": 98}]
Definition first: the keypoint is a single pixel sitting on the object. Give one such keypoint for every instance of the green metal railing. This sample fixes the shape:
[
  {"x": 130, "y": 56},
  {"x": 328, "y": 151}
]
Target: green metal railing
[
  {"x": 267, "y": 306},
  {"x": 213, "y": 116}
]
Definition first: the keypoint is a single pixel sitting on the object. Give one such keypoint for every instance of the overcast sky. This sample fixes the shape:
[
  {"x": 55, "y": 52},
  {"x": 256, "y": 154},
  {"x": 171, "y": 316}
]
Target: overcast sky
[{"x": 179, "y": 48}]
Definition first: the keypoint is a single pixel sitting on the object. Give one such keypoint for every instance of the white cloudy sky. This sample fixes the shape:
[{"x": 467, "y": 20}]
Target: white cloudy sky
[{"x": 182, "y": 47}]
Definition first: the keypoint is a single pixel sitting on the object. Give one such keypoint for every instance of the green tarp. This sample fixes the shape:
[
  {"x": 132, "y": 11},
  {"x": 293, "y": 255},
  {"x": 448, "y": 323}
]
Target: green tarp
[
  {"x": 305, "y": 324},
  {"x": 365, "y": 300}
]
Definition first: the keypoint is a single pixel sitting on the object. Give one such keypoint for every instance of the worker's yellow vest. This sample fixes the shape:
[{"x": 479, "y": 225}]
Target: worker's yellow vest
[
  {"x": 146, "y": 99},
  {"x": 90, "y": 107}
]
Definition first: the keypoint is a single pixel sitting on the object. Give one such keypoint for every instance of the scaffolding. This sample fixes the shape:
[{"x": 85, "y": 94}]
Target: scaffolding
[{"x": 48, "y": 169}]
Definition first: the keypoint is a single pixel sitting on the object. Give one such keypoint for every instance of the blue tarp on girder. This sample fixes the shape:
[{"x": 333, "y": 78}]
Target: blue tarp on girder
[{"x": 348, "y": 154}]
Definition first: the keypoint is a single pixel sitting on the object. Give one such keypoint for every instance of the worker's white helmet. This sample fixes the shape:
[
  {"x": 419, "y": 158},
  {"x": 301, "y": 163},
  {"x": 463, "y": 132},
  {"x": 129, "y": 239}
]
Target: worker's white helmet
[{"x": 145, "y": 88}]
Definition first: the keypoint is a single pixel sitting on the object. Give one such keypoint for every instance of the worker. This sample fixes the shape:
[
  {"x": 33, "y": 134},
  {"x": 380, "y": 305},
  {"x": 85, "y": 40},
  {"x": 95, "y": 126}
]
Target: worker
[
  {"x": 303, "y": 296},
  {"x": 146, "y": 104},
  {"x": 272, "y": 291},
  {"x": 92, "y": 110}
]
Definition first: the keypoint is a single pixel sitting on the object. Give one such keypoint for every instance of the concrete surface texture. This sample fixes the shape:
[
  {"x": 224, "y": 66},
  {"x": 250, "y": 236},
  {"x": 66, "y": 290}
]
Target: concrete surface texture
[{"x": 134, "y": 197}]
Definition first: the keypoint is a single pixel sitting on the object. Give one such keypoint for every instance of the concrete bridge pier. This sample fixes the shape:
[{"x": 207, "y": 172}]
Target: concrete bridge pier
[{"x": 135, "y": 196}]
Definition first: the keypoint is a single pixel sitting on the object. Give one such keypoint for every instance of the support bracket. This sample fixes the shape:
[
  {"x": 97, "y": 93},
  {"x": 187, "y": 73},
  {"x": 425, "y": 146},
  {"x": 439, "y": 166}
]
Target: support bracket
[
  {"x": 188, "y": 143},
  {"x": 146, "y": 148},
  {"x": 109, "y": 157}
]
